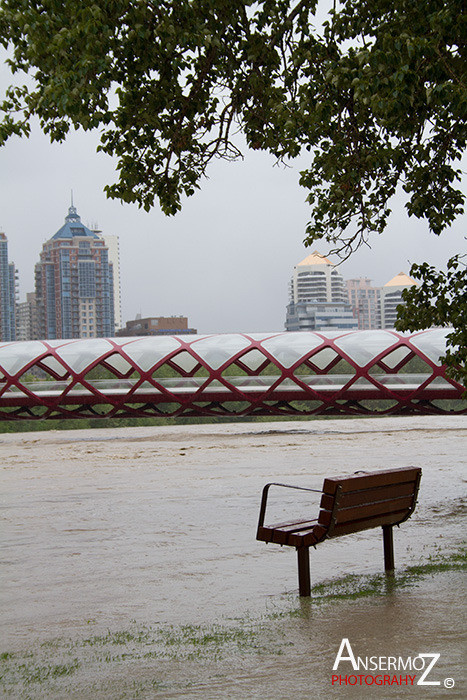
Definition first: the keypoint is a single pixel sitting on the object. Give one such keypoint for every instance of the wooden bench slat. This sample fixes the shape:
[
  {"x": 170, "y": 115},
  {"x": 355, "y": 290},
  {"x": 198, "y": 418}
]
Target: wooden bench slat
[
  {"x": 359, "y": 482},
  {"x": 279, "y": 534},
  {"x": 358, "y": 526},
  {"x": 295, "y": 525},
  {"x": 376, "y": 495},
  {"x": 290, "y": 523},
  {"x": 307, "y": 539},
  {"x": 365, "y": 511}
]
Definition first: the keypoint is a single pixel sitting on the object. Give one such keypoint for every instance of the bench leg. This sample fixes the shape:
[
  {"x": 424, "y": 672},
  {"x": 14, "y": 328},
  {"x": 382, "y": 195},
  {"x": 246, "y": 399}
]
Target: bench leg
[
  {"x": 388, "y": 547},
  {"x": 304, "y": 580}
]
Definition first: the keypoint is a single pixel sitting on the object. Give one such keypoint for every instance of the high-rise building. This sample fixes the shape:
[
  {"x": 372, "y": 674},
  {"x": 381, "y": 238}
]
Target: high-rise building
[
  {"x": 315, "y": 279},
  {"x": 112, "y": 244},
  {"x": 318, "y": 297},
  {"x": 365, "y": 302},
  {"x": 26, "y": 319},
  {"x": 8, "y": 293},
  {"x": 74, "y": 283},
  {"x": 391, "y": 297}
]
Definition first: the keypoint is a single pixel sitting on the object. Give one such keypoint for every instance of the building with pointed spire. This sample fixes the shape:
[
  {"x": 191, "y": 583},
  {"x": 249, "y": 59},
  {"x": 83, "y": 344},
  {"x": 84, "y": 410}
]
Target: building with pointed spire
[
  {"x": 74, "y": 283},
  {"x": 318, "y": 297},
  {"x": 391, "y": 297}
]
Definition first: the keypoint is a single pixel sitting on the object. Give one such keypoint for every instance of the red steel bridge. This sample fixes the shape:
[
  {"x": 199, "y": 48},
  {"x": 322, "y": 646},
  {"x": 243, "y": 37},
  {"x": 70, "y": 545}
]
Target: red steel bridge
[{"x": 238, "y": 374}]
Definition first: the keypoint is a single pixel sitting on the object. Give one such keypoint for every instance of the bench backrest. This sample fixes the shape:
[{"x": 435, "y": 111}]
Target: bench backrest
[{"x": 367, "y": 500}]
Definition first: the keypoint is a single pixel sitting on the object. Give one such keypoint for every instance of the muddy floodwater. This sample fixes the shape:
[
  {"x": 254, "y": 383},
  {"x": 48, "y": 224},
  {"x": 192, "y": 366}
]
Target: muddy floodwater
[{"x": 132, "y": 529}]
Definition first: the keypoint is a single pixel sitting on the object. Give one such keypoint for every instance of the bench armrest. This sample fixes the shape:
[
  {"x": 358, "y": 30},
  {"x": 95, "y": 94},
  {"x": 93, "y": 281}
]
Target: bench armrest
[{"x": 264, "y": 497}]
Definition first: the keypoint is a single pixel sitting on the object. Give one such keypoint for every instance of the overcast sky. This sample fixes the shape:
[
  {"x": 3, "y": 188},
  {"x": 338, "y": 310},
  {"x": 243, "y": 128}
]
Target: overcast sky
[{"x": 225, "y": 261}]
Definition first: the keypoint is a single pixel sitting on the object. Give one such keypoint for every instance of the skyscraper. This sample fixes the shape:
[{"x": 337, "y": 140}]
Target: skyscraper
[
  {"x": 391, "y": 297},
  {"x": 74, "y": 284},
  {"x": 113, "y": 247},
  {"x": 365, "y": 301},
  {"x": 315, "y": 279},
  {"x": 26, "y": 319},
  {"x": 8, "y": 293},
  {"x": 114, "y": 257},
  {"x": 318, "y": 297}
]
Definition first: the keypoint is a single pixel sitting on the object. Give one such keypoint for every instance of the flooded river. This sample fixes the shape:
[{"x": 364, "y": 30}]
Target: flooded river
[{"x": 103, "y": 530}]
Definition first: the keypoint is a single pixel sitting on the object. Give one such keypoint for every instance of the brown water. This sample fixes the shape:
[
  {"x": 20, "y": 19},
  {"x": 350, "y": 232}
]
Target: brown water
[{"x": 157, "y": 525}]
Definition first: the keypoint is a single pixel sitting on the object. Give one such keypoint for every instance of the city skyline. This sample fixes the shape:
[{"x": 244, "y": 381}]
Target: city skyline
[
  {"x": 315, "y": 279},
  {"x": 361, "y": 304},
  {"x": 224, "y": 261}
]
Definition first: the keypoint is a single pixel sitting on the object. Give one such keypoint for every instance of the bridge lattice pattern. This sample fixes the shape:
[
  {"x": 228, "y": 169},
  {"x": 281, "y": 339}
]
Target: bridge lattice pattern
[{"x": 228, "y": 375}]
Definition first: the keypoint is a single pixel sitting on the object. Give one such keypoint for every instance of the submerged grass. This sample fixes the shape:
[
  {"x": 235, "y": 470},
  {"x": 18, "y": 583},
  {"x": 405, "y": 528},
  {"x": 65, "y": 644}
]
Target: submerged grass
[
  {"x": 353, "y": 586},
  {"x": 57, "y": 667}
]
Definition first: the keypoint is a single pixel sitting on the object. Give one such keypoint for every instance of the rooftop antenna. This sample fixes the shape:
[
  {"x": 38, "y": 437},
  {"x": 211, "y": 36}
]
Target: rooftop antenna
[{"x": 71, "y": 197}]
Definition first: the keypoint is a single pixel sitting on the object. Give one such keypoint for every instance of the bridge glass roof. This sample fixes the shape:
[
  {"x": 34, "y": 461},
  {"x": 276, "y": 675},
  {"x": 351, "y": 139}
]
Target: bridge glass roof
[{"x": 277, "y": 373}]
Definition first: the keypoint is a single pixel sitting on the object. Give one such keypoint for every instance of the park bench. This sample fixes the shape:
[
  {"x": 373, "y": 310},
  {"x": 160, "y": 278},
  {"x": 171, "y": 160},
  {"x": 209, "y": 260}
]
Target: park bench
[{"x": 348, "y": 504}]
